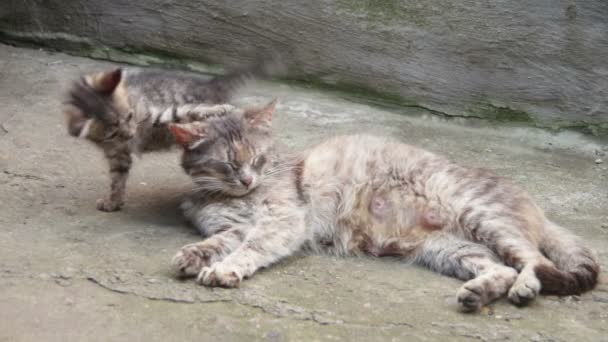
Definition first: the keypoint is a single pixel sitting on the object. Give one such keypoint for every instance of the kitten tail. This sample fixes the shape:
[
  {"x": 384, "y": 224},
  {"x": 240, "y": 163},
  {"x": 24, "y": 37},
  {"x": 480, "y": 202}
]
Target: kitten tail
[{"x": 264, "y": 67}]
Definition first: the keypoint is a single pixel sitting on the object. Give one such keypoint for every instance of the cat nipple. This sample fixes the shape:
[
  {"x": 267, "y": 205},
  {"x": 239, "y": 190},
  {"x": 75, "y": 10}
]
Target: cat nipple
[
  {"x": 379, "y": 206},
  {"x": 432, "y": 219}
]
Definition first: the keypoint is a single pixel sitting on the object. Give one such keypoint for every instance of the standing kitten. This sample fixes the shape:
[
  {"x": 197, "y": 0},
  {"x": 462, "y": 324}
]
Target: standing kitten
[
  {"x": 365, "y": 195},
  {"x": 119, "y": 111}
]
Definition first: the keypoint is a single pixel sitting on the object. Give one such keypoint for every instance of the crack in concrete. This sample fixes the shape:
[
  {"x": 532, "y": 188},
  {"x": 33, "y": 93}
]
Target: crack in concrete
[
  {"x": 168, "y": 299},
  {"x": 252, "y": 300},
  {"x": 318, "y": 319},
  {"x": 22, "y": 175}
]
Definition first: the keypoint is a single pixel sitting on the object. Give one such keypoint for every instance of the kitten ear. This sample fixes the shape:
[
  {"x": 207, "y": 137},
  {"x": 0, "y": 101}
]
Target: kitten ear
[
  {"x": 189, "y": 133},
  {"x": 261, "y": 116},
  {"x": 106, "y": 82}
]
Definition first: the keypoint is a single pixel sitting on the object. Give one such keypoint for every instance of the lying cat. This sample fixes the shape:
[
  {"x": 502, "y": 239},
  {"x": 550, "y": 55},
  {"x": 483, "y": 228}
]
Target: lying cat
[
  {"x": 366, "y": 195},
  {"x": 119, "y": 111}
]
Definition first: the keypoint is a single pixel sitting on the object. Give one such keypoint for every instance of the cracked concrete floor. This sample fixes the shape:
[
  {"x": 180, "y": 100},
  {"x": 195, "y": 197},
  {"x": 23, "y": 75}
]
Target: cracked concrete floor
[{"x": 71, "y": 273}]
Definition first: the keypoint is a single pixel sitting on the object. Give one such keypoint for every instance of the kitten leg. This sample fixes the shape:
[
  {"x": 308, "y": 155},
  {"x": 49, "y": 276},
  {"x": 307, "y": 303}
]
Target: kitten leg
[
  {"x": 488, "y": 279},
  {"x": 119, "y": 159},
  {"x": 270, "y": 241},
  {"x": 191, "y": 259}
]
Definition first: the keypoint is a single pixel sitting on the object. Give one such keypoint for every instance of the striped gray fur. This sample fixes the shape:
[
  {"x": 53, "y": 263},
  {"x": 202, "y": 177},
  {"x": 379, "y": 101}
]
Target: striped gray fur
[
  {"x": 366, "y": 195},
  {"x": 125, "y": 112}
]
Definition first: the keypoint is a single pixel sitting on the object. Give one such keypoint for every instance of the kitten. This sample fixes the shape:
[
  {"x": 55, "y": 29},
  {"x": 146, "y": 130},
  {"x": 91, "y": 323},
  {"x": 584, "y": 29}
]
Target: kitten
[
  {"x": 119, "y": 111},
  {"x": 366, "y": 195}
]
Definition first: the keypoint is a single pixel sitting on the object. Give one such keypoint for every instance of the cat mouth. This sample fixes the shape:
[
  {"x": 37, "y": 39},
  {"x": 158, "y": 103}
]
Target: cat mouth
[
  {"x": 232, "y": 189},
  {"x": 241, "y": 190}
]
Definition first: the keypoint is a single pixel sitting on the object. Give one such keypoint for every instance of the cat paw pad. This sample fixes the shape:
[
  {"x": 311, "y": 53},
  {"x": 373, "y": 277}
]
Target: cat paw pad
[
  {"x": 216, "y": 276},
  {"x": 187, "y": 204},
  {"x": 470, "y": 297},
  {"x": 525, "y": 289}
]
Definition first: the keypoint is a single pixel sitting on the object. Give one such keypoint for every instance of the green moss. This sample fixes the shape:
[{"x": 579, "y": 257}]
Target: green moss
[
  {"x": 500, "y": 113},
  {"x": 152, "y": 56},
  {"x": 506, "y": 114},
  {"x": 596, "y": 129},
  {"x": 64, "y": 42},
  {"x": 77, "y": 46},
  {"x": 353, "y": 92}
]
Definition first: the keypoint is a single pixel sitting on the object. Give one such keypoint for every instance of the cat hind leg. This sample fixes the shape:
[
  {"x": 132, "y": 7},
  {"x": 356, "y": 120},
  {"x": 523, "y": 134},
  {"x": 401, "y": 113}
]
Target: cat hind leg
[
  {"x": 487, "y": 278},
  {"x": 513, "y": 241}
]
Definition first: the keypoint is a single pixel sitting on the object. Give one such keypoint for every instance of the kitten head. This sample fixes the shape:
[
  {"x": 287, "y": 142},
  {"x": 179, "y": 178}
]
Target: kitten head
[
  {"x": 229, "y": 154},
  {"x": 96, "y": 107}
]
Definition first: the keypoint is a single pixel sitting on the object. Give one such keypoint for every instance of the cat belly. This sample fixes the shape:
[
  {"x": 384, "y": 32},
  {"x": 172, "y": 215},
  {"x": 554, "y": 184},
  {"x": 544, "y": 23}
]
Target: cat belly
[
  {"x": 371, "y": 220},
  {"x": 369, "y": 191}
]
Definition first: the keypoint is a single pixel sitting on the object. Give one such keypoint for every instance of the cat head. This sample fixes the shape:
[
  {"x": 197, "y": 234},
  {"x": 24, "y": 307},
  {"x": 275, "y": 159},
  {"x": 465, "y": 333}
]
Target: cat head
[
  {"x": 227, "y": 155},
  {"x": 96, "y": 106}
]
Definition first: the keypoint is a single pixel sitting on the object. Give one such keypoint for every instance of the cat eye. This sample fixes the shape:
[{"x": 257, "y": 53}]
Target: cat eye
[
  {"x": 217, "y": 167},
  {"x": 111, "y": 135},
  {"x": 259, "y": 161}
]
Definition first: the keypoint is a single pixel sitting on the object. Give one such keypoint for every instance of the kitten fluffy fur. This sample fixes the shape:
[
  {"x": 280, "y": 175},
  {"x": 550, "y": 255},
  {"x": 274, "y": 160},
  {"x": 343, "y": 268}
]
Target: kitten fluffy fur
[
  {"x": 367, "y": 195},
  {"x": 125, "y": 111}
]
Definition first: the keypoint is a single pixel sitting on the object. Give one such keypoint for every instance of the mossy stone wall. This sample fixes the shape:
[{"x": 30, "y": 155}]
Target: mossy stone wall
[{"x": 541, "y": 62}]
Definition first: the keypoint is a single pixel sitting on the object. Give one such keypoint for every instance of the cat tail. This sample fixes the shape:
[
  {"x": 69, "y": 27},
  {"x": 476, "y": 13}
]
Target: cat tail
[
  {"x": 264, "y": 67},
  {"x": 576, "y": 269}
]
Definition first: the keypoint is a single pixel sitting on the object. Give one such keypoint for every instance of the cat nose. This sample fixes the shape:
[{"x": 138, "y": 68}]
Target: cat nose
[{"x": 246, "y": 180}]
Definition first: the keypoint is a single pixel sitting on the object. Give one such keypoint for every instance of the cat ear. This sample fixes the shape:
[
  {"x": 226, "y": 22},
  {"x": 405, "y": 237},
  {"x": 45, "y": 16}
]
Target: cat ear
[
  {"x": 106, "y": 82},
  {"x": 261, "y": 116},
  {"x": 189, "y": 133}
]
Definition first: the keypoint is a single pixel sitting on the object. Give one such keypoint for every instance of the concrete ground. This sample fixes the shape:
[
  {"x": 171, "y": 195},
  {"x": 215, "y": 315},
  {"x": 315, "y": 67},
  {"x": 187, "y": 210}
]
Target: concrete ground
[{"x": 71, "y": 273}]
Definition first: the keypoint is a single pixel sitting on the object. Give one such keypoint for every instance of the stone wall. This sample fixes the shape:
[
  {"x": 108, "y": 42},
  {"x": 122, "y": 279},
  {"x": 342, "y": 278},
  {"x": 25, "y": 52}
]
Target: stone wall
[{"x": 543, "y": 62}]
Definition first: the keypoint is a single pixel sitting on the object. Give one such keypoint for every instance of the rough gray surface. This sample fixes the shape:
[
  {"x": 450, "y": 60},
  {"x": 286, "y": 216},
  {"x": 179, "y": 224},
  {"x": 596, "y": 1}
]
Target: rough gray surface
[
  {"x": 71, "y": 273},
  {"x": 543, "y": 62}
]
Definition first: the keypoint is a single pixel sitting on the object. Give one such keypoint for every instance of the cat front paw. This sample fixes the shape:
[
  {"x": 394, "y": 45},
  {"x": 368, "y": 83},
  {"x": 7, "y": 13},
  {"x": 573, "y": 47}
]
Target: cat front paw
[
  {"x": 190, "y": 260},
  {"x": 219, "y": 276},
  {"x": 107, "y": 205}
]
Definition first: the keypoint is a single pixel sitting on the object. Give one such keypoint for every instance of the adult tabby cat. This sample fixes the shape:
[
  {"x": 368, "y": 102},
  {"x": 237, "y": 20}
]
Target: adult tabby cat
[
  {"x": 119, "y": 111},
  {"x": 366, "y": 195}
]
